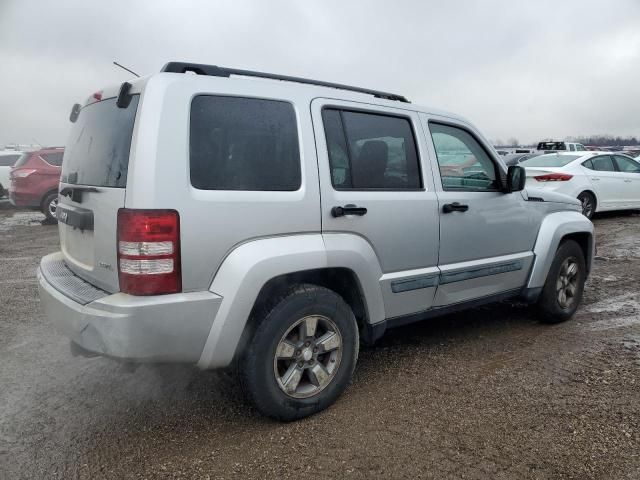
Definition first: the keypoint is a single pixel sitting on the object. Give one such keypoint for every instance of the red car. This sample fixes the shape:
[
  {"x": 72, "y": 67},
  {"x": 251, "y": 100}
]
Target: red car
[{"x": 34, "y": 181}]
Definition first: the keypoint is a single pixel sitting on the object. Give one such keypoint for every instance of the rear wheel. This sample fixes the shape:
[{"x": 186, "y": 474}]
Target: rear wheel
[
  {"x": 302, "y": 354},
  {"x": 588, "y": 202},
  {"x": 49, "y": 206},
  {"x": 562, "y": 292}
]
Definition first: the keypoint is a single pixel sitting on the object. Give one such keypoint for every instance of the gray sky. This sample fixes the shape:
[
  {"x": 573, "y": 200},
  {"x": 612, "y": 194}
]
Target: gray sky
[{"x": 524, "y": 69}]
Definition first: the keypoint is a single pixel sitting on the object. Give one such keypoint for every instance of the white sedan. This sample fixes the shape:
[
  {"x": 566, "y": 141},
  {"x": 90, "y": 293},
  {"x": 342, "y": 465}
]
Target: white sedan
[{"x": 600, "y": 180}]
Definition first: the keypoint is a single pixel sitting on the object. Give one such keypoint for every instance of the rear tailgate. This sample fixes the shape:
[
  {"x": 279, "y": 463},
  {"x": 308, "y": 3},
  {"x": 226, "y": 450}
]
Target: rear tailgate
[{"x": 93, "y": 188}]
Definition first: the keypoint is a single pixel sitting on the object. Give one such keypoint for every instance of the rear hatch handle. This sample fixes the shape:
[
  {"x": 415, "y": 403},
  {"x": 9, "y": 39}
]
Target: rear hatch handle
[{"x": 75, "y": 193}]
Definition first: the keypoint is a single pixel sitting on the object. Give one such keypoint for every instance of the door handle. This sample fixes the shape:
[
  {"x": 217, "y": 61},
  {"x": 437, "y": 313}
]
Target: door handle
[
  {"x": 454, "y": 207},
  {"x": 595, "y": 178},
  {"x": 627, "y": 180},
  {"x": 348, "y": 210}
]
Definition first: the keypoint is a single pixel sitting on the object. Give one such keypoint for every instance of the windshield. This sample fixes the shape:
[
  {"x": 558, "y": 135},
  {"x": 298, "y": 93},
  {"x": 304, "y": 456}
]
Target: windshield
[
  {"x": 98, "y": 149},
  {"x": 550, "y": 160}
]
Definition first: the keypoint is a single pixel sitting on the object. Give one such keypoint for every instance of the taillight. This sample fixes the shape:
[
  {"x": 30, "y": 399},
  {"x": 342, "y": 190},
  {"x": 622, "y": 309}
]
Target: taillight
[
  {"x": 149, "y": 251},
  {"x": 22, "y": 173},
  {"x": 554, "y": 177}
]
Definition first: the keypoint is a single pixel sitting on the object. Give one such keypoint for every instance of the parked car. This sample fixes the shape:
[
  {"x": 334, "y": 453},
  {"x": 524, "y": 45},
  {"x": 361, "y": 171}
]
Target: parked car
[
  {"x": 221, "y": 220},
  {"x": 7, "y": 160},
  {"x": 561, "y": 146},
  {"x": 516, "y": 158},
  {"x": 600, "y": 181},
  {"x": 34, "y": 181}
]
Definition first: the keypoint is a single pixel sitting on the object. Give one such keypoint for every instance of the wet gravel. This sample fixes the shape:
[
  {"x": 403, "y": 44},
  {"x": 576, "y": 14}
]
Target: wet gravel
[{"x": 488, "y": 393}]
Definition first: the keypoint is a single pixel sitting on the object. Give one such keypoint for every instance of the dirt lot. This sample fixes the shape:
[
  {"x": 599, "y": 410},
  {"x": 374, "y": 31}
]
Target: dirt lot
[{"x": 486, "y": 394}]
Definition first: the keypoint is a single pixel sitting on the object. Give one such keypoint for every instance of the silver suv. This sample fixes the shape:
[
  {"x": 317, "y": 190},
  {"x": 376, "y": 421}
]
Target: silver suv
[{"x": 275, "y": 223}]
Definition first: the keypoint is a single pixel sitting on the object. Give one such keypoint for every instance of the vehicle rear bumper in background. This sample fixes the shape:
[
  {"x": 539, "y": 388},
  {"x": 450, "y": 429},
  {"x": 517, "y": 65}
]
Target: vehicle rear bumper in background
[
  {"x": 162, "y": 328},
  {"x": 24, "y": 199}
]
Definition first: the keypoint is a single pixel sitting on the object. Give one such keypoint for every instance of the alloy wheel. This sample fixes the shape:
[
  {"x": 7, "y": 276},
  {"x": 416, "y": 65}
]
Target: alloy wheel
[
  {"x": 567, "y": 283},
  {"x": 308, "y": 356}
]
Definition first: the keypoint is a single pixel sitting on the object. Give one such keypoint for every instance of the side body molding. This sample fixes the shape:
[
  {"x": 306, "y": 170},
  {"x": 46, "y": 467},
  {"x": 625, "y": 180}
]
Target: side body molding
[
  {"x": 251, "y": 265},
  {"x": 552, "y": 229}
]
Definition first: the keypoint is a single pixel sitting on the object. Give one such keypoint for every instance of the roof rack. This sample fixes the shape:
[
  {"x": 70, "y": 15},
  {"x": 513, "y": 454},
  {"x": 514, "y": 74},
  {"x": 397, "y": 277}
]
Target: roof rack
[{"x": 215, "y": 71}]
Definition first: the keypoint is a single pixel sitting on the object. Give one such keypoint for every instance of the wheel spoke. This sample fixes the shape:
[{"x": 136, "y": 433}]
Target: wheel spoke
[
  {"x": 291, "y": 378},
  {"x": 572, "y": 270},
  {"x": 328, "y": 342},
  {"x": 286, "y": 349},
  {"x": 571, "y": 289},
  {"x": 319, "y": 375},
  {"x": 562, "y": 297},
  {"x": 308, "y": 327}
]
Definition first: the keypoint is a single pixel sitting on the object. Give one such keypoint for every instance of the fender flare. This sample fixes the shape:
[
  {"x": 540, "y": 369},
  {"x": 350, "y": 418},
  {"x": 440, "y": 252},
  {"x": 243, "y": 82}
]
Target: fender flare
[
  {"x": 248, "y": 267},
  {"x": 553, "y": 229}
]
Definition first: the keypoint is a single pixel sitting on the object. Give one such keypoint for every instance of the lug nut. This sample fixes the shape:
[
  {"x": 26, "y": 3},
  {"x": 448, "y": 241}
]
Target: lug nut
[
  {"x": 306, "y": 344},
  {"x": 315, "y": 349},
  {"x": 301, "y": 364}
]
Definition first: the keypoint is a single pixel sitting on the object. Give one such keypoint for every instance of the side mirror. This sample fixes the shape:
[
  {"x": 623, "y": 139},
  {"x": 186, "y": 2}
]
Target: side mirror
[
  {"x": 75, "y": 112},
  {"x": 516, "y": 178}
]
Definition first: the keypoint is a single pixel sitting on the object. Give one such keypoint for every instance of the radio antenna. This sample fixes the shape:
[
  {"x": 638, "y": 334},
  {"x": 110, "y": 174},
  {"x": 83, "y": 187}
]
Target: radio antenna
[{"x": 125, "y": 68}]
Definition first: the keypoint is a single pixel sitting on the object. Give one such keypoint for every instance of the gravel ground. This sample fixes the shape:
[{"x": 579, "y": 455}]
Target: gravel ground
[{"x": 489, "y": 393}]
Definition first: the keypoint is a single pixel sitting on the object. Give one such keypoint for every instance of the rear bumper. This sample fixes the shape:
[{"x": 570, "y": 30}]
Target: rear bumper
[
  {"x": 162, "y": 328},
  {"x": 24, "y": 199}
]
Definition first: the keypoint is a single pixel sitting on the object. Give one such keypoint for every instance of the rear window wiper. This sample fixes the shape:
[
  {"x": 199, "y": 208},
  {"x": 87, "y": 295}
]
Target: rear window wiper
[{"x": 75, "y": 193}]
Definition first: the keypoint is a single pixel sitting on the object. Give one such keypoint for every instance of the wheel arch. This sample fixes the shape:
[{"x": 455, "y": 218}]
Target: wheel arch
[
  {"x": 256, "y": 271},
  {"x": 594, "y": 195},
  {"x": 554, "y": 229}
]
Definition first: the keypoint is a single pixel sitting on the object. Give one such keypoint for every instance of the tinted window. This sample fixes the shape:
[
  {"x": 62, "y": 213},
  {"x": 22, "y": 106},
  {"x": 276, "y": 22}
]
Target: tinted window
[
  {"x": 464, "y": 164},
  {"x": 588, "y": 164},
  {"x": 98, "y": 149},
  {"x": 572, "y": 147},
  {"x": 243, "y": 144},
  {"x": 627, "y": 165},
  {"x": 22, "y": 160},
  {"x": 550, "y": 160},
  {"x": 552, "y": 146},
  {"x": 8, "y": 160},
  {"x": 371, "y": 151},
  {"x": 53, "y": 158},
  {"x": 603, "y": 164}
]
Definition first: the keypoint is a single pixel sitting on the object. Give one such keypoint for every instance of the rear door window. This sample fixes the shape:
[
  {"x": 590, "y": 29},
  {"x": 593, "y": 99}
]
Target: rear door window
[
  {"x": 97, "y": 152},
  {"x": 603, "y": 164},
  {"x": 8, "y": 160},
  {"x": 243, "y": 144},
  {"x": 371, "y": 151}
]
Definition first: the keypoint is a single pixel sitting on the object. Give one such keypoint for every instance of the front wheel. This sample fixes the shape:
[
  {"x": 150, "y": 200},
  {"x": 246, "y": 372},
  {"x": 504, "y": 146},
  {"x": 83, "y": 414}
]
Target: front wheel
[
  {"x": 49, "y": 206},
  {"x": 562, "y": 291},
  {"x": 302, "y": 354}
]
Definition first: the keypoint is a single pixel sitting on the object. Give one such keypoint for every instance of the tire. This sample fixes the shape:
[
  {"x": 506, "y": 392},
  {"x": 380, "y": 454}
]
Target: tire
[
  {"x": 560, "y": 283},
  {"x": 277, "y": 356},
  {"x": 588, "y": 202},
  {"x": 47, "y": 207}
]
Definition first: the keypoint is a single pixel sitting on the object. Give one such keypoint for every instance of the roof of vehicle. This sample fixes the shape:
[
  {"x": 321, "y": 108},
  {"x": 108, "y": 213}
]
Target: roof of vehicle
[{"x": 317, "y": 88}]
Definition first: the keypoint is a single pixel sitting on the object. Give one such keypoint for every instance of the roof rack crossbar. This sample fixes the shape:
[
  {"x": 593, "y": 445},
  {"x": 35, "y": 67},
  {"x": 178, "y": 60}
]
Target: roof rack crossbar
[{"x": 215, "y": 71}]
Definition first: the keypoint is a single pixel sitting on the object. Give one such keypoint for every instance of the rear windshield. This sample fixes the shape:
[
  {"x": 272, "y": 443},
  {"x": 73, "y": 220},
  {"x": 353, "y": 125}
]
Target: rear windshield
[
  {"x": 550, "y": 160},
  {"x": 552, "y": 146},
  {"x": 98, "y": 149},
  {"x": 22, "y": 160}
]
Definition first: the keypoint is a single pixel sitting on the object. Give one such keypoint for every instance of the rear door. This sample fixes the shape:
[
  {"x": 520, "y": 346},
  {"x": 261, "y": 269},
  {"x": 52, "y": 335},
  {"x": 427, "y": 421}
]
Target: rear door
[
  {"x": 606, "y": 181},
  {"x": 93, "y": 187},
  {"x": 371, "y": 159},
  {"x": 486, "y": 236},
  {"x": 629, "y": 173}
]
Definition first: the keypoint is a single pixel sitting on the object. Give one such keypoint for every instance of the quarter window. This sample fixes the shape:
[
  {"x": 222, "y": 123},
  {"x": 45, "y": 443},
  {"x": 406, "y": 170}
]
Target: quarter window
[
  {"x": 464, "y": 164},
  {"x": 243, "y": 144},
  {"x": 371, "y": 151},
  {"x": 54, "y": 159}
]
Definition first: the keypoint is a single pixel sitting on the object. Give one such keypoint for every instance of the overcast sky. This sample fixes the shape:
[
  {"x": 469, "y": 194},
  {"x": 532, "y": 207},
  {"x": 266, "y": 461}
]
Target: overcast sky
[{"x": 523, "y": 69}]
